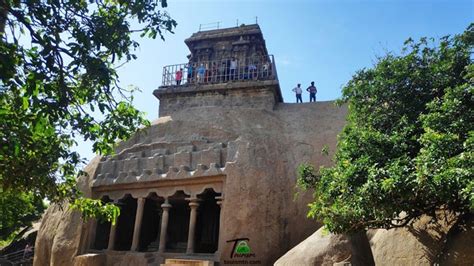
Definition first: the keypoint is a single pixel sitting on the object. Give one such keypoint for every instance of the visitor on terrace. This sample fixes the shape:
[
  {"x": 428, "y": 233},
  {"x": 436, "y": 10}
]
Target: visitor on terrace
[
  {"x": 179, "y": 76},
  {"x": 201, "y": 71},
  {"x": 190, "y": 72}
]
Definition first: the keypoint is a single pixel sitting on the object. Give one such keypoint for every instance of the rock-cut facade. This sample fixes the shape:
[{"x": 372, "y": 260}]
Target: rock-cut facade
[{"x": 214, "y": 177}]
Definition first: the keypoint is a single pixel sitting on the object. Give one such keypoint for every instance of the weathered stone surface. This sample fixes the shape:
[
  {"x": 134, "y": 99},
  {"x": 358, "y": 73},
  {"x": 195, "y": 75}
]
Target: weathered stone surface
[
  {"x": 324, "y": 248},
  {"x": 264, "y": 140},
  {"x": 90, "y": 260},
  {"x": 264, "y": 151},
  {"x": 459, "y": 249},
  {"x": 60, "y": 236},
  {"x": 418, "y": 244}
]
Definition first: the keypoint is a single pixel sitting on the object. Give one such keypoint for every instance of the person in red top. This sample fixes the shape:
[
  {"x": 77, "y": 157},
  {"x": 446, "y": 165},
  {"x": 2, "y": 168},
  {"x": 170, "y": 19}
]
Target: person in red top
[
  {"x": 312, "y": 92},
  {"x": 179, "y": 76}
]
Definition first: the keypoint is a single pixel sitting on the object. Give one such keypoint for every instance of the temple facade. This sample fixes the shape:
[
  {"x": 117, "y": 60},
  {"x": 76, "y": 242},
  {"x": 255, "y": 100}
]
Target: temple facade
[{"x": 212, "y": 181}]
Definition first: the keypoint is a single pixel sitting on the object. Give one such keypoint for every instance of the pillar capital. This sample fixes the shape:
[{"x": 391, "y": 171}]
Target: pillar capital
[
  {"x": 193, "y": 202},
  {"x": 166, "y": 205}
]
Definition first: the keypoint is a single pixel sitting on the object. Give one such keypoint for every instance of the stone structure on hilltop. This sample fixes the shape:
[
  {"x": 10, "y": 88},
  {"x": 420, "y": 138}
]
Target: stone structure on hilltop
[{"x": 214, "y": 177}]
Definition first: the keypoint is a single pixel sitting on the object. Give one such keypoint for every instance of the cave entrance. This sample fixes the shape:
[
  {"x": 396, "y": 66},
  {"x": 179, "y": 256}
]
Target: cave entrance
[
  {"x": 151, "y": 223},
  {"x": 207, "y": 224},
  {"x": 125, "y": 223},
  {"x": 178, "y": 226},
  {"x": 102, "y": 232}
]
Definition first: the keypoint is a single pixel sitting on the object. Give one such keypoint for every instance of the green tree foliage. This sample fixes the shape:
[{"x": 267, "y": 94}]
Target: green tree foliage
[
  {"x": 407, "y": 148},
  {"x": 58, "y": 62},
  {"x": 18, "y": 210}
]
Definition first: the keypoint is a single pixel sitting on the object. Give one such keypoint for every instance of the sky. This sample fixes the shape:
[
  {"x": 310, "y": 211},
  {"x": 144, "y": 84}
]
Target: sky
[{"x": 321, "y": 41}]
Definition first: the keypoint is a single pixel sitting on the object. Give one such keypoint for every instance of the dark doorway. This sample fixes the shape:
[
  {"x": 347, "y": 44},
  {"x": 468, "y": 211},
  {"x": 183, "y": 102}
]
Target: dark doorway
[
  {"x": 126, "y": 222},
  {"x": 102, "y": 232},
  {"x": 178, "y": 225},
  {"x": 207, "y": 224},
  {"x": 151, "y": 224}
]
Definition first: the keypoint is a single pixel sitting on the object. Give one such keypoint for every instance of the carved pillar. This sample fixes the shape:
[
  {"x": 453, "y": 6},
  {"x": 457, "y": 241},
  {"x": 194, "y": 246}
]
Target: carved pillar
[
  {"x": 219, "y": 202},
  {"x": 92, "y": 232},
  {"x": 112, "y": 233},
  {"x": 164, "y": 225},
  {"x": 113, "y": 228},
  {"x": 138, "y": 224},
  {"x": 194, "y": 204}
]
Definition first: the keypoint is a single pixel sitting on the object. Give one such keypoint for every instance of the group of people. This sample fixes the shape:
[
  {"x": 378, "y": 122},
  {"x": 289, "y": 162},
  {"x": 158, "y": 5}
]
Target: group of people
[
  {"x": 225, "y": 71},
  {"x": 299, "y": 91}
]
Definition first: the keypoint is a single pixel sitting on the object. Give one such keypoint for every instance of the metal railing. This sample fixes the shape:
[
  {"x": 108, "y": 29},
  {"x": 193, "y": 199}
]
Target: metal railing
[
  {"x": 220, "y": 71},
  {"x": 20, "y": 257}
]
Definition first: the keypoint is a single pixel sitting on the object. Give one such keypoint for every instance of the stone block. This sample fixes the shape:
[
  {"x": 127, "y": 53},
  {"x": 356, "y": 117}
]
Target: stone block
[
  {"x": 195, "y": 159},
  {"x": 107, "y": 166},
  {"x": 182, "y": 159},
  {"x": 157, "y": 152},
  {"x": 131, "y": 155},
  {"x": 155, "y": 163},
  {"x": 169, "y": 161},
  {"x": 90, "y": 260},
  {"x": 130, "y": 165},
  {"x": 188, "y": 148},
  {"x": 211, "y": 156}
]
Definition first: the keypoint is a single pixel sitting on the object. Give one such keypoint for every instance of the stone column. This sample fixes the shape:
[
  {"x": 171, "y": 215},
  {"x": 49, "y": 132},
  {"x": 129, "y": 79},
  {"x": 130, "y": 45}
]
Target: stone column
[
  {"x": 219, "y": 200},
  {"x": 111, "y": 245},
  {"x": 138, "y": 224},
  {"x": 194, "y": 204},
  {"x": 164, "y": 225},
  {"x": 92, "y": 232},
  {"x": 113, "y": 229}
]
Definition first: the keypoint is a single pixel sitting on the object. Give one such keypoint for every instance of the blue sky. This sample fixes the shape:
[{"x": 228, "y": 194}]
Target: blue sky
[{"x": 324, "y": 41}]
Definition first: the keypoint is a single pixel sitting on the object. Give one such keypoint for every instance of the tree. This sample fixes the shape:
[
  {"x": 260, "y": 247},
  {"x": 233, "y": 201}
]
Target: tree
[
  {"x": 18, "y": 210},
  {"x": 58, "y": 62},
  {"x": 407, "y": 147}
]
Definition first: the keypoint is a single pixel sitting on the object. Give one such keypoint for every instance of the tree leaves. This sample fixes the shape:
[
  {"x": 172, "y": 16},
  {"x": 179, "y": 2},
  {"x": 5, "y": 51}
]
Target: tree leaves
[
  {"x": 58, "y": 79},
  {"x": 407, "y": 147}
]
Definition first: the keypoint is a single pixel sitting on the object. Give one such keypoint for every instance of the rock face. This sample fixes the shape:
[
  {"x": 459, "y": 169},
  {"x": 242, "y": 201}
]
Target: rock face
[
  {"x": 260, "y": 175},
  {"x": 60, "y": 234},
  {"x": 324, "y": 248},
  {"x": 237, "y": 138},
  {"x": 419, "y": 244},
  {"x": 459, "y": 249}
]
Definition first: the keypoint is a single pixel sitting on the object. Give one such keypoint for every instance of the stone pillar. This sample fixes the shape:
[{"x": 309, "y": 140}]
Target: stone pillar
[
  {"x": 92, "y": 232},
  {"x": 164, "y": 225},
  {"x": 113, "y": 229},
  {"x": 219, "y": 200},
  {"x": 138, "y": 224},
  {"x": 194, "y": 204},
  {"x": 111, "y": 245}
]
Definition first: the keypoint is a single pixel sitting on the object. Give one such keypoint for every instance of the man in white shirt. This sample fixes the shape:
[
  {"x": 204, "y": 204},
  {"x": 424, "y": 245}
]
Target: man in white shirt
[{"x": 298, "y": 91}]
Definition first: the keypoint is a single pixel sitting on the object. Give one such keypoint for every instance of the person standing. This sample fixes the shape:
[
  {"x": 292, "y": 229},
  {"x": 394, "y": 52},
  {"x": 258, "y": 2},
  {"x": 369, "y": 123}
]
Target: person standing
[
  {"x": 298, "y": 91},
  {"x": 179, "y": 76},
  {"x": 190, "y": 72},
  {"x": 201, "y": 71},
  {"x": 233, "y": 68},
  {"x": 312, "y": 92}
]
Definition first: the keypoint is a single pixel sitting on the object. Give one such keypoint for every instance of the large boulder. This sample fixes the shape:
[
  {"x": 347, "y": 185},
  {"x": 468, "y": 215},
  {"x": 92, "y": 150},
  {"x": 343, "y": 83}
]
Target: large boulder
[
  {"x": 59, "y": 236},
  {"x": 417, "y": 244},
  {"x": 459, "y": 248},
  {"x": 324, "y": 248}
]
